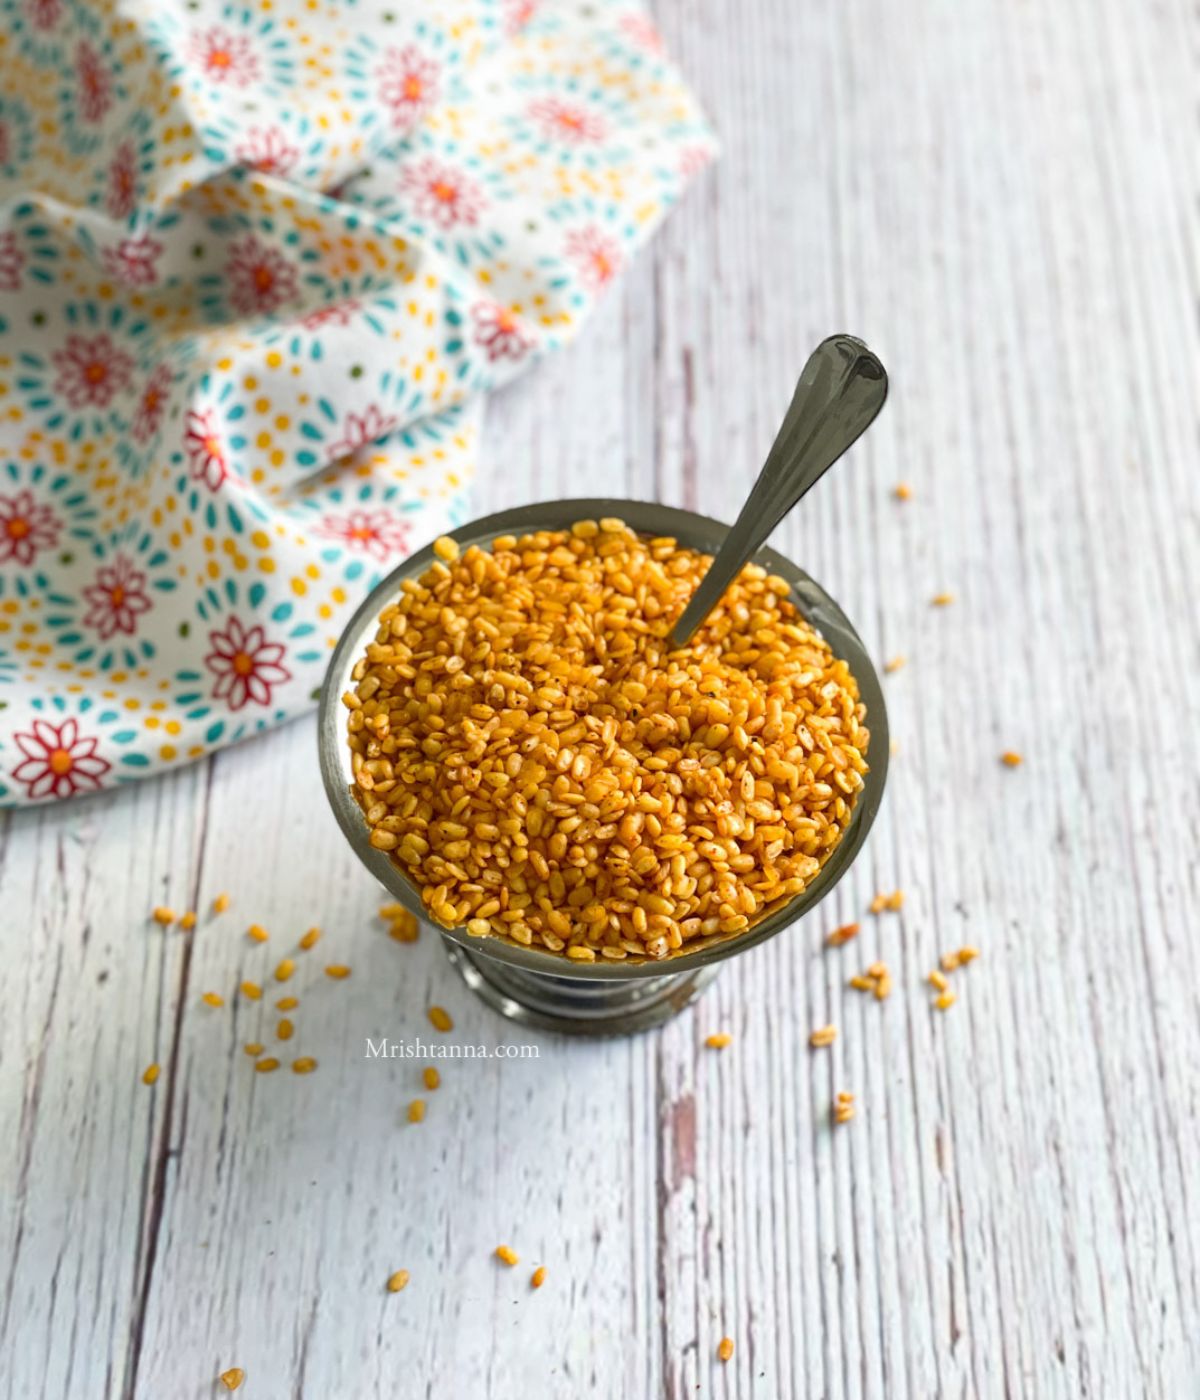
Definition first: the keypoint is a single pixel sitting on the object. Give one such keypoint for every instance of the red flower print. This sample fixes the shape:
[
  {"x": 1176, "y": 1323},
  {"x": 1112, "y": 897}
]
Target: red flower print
[
  {"x": 640, "y": 28},
  {"x": 441, "y": 194},
  {"x": 499, "y": 331},
  {"x": 12, "y": 260},
  {"x": 259, "y": 277},
  {"x": 151, "y": 404},
  {"x": 597, "y": 254},
  {"x": 693, "y": 159},
  {"x": 44, "y": 14},
  {"x": 567, "y": 121},
  {"x": 517, "y": 14},
  {"x": 337, "y": 313},
  {"x": 224, "y": 57},
  {"x": 58, "y": 761},
  {"x": 122, "y": 182},
  {"x": 361, "y": 430},
  {"x": 245, "y": 664},
  {"x": 205, "y": 450},
  {"x": 116, "y": 599},
  {"x": 95, "y": 83},
  {"x": 408, "y": 85},
  {"x": 132, "y": 260},
  {"x": 25, "y": 527},
  {"x": 267, "y": 149},
  {"x": 374, "y": 532},
  {"x": 91, "y": 371}
]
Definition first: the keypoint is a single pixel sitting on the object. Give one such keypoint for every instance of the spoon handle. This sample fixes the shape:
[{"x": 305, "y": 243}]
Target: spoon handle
[{"x": 841, "y": 389}]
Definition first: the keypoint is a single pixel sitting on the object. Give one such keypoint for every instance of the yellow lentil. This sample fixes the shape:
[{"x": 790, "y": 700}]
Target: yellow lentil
[
  {"x": 287, "y": 1003},
  {"x": 220, "y": 904},
  {"x": 187, "y": 921},
  {"x": 942, "y": 600},
  {"x": 822, "y": 1036},
  {"x": 416, "y": 1111},
  {"x": 539, "y": 1276},
  {"x": 252, "y": 990},
  {"x": 257, "y": 933},
  {"x": 966, "y": 955},
  {"x": 725, "y": 1348},
  {"x": 212, "y": 999},
  {"x": 232, "y": 1378},
  {"x": 533, "y": 754},
  {"x": 1011, "y": 759},
  {"x": 507, "y": 1255},
  {"x": 431, "y": 1078},
  {"x": 842, "y": 935},
  {"x": 398, "y": 1281},
  {"x": 902, "y": 491},
  {"x": 938, "y": 979},
  {"x": 843, "y": 1107},
  {"x": 266, "y": 1065},
  {"x": 163, "y": 915},
  {"x": 304, "y": 1065},
  {"x": 252, "y": 1047},
  {"x": 150, "y": 1074},
  {"x": 309, "y": 938},
  {"x": 895, "y": 900},
  {"x": 338, "y": 971},
  {"x": 440, "y": 1019},
  {"x": 285, "y": 1030},
  {"x": 895, "y": 664},
  {"x": 718, "y": 1040},
  {"x": 284, "y": 970},
  {"x": 947, "y": 999}
]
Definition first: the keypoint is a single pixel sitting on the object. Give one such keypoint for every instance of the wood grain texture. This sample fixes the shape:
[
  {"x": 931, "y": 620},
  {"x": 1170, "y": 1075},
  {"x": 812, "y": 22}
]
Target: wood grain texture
[{"x": 1001, "y": 198}]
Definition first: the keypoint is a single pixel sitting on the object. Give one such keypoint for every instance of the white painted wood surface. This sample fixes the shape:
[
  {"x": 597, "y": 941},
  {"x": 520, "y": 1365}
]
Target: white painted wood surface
[{"x": 1001, "y": 197}]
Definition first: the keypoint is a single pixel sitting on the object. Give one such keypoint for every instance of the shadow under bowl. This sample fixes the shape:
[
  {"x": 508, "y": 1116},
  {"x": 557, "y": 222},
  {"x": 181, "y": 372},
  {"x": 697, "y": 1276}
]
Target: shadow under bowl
[{"x": 533, "y": 985}]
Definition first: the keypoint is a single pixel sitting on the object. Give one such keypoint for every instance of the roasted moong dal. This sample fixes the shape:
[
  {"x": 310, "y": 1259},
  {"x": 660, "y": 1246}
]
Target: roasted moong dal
[{"x": 532, "y": 752}]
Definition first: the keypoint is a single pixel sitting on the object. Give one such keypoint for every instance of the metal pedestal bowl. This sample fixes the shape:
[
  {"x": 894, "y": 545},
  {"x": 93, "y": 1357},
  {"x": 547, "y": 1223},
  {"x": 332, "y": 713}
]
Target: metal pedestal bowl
[{"x": 532, "y": 985}]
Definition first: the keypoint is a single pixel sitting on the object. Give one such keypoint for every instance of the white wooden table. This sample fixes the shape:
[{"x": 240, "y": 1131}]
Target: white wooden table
[{"x": 1001, "y": 198}]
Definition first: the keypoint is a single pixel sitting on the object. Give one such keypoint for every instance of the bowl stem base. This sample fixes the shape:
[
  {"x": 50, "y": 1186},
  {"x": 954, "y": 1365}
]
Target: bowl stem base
[{"x": 574, "y": 1006}]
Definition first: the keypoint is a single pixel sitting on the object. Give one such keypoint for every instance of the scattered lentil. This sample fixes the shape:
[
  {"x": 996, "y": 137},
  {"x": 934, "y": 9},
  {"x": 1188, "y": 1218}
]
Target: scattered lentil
[
  {"x": 257, "y": 933},
  {"x": 440, "y": 1019},
  {"x": 895, "y": 664},
  {"x": 966, "y": 955},
  {"x": 220, "y": 904},
  {"x": 1011, "y": 759},
  {"x": 162, "y": 915},
  {"x": 946, "y": 999},
  {"x": 902, "y": 491},
  {"x": 718, "y": 1040},
  {"x": 252, "y": 990},
  {"x": 287, "y": 1003},
  {"x": 842, "y": 935},
  {"x": 284, "y": 970},
  {"x": 942, "y": 600},
  {"x": 532, "y": 752},
  {"x": 304, "y": 1065},
  {"x": 843, "y": 1107},
  {"x": 309, "y": 938},
  {"x": 285, "y": 1030},
  {"x": 938, "y": 979},
  {"x": 150, "y": 1074},
  {"x": 265, "y": 1066},
  {"x": 507, "y": 1255},
  {"x": 252, "y": 1047},
  {"x": 822, "y": 1036},
  {"x": 895, "y": 900},
  {"x": 187, "y": 921},
  {"x": 416, "y": 1111},
  {"x": 431, "y": 1078},
  {"x": 725, "y": 1348},
  {"x": 232, "y": 1378},
  {"x": 398, "y": 1281},
  {"x": 949, "y": 961},
  {"x": 338, "y": 971},
  {"x": 539, "y": 1276},
  {"x": 212, "y": 999}
]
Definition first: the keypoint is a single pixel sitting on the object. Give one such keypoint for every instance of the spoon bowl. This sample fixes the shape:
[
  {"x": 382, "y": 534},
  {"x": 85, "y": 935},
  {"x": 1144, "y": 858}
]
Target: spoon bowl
[{"x": 533, "y": 985}]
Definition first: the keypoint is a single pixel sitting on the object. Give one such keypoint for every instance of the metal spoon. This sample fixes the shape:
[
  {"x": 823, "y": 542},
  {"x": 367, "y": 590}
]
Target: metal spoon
[{"x": 841, "y": 389}]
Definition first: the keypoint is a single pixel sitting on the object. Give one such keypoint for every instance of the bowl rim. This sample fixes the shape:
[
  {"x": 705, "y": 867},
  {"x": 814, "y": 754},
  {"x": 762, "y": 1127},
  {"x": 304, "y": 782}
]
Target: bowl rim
[{"x": 648, "y": 518}]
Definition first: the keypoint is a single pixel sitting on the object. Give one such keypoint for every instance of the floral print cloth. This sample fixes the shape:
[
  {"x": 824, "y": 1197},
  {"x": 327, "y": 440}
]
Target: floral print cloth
[{"x": 258, "y": 262}]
